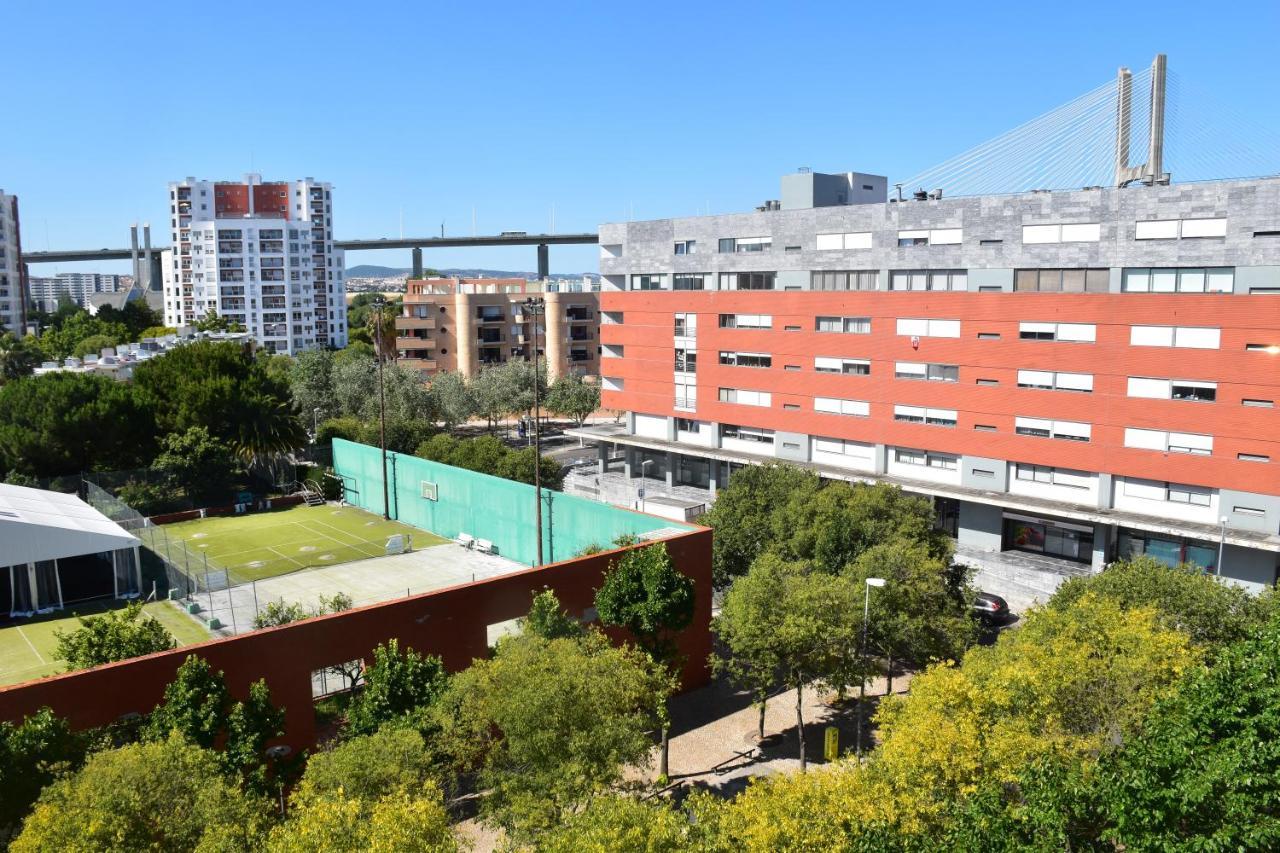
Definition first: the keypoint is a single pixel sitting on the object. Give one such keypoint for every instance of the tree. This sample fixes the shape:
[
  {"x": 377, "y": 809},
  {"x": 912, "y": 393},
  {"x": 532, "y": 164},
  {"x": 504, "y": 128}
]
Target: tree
[
  {"x": 451, "y": 399},
  {"x": 742, "y": 515},
  {"x": 624, "y": 824},
  {"x": 369, "y": 767},
  {"x": 551, "y": 723},
  {"x": 1204, "y": 771},
  {"x": 840, "y": 521},
  {"x": 547, "y": 620},
  {"x": 198, "y": 463},
  {"x": 518, "y": 465},
  {"x": 19, "y": 356},
  {"x": 922, "y": 613},
  {"x": 66, "y": 423},
  {"x": 167, "y": 795},
  {"x": 574, "y": 398},
  {"x": 789, "y": 618},
  {"x": 400, "y": 822},
  {"x": 94, "y": 345},
  {"x": 645, "y": 593},
  {"x": 311, "y": 383},
  {"x": 156, "y": 332},
  {"x": 224, "y": 388},
  {"x": 1211, "y": 612},
  {"x": 276, "y": 613},
  {"x": 395, "y": 685},
  {"x": 113, "y": 636},
  {"x": 136, "y": 316},
  {"x": 33, "y": 754},
  {"x": 61, "y": 341},
  {"x": 211, "y": 322},
  {"x": 492, "y": 392}
]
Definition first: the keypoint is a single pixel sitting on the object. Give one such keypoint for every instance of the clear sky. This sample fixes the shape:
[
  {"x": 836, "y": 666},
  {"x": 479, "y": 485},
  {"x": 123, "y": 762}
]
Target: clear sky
[{"x": 602, "y": 111}]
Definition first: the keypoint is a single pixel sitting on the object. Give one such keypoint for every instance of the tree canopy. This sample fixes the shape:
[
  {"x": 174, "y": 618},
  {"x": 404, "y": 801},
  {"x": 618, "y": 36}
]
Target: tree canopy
[
  {"x": 570, "y": 395},
  {"x": 115, "y": 635}
]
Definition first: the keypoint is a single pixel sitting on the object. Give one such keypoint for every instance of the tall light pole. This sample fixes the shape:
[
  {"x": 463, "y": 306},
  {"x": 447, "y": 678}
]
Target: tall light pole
[
  {"x": 378, "y": 305},
  {"x": 315, "y": 424},
  {"x": 862, "y": 660},
  {"x": 1222, "y": 544},
  {"x": 534, "y": 306},
  {"x": 643, "y": 469}
]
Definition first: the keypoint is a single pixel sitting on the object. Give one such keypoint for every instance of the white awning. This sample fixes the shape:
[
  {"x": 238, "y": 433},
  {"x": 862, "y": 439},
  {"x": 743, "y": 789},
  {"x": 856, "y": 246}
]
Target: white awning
[{"x": 38, "y": 525}]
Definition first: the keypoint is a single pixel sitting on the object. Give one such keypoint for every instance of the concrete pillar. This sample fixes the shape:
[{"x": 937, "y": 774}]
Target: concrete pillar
[
  {"x": 628, "y": 455},
  {"x": 417, "y": 262},
  {"x": 1101, "y": 545},
  {"x": 1105, "y": 489},
  {"x": 713, "y": 476},
  {"x": 556, "y": 344},
  {"x": 544, "y": 261},
  {"x": 602, "y": 465},
  {"x": 465, "y": 321},
  {"x": 671, "y": 469}
]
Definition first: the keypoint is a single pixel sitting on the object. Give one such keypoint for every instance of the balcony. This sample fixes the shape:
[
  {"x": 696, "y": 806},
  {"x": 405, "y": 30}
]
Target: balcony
[
  {"x": 414, "y": 343},
  {"x": 490, "y": 318},
  {"x": 482, "y": 338},
  {"x": 414, "y": 363},
  {"x": 579, "y": 315},
  {"x": 415, "y": 322},
  {"x": 231, "y": 247},
  {"x": 271, "y": 247}
]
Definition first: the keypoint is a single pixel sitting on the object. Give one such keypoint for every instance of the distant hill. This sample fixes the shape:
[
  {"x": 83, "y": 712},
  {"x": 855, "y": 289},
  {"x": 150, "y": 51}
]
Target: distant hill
[{"x": 375, "y": 271}]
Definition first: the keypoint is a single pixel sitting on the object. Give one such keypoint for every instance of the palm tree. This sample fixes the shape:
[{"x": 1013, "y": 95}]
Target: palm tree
[
  {"x": 382, "y": 328},
  {"x": 268, "y": 426}
]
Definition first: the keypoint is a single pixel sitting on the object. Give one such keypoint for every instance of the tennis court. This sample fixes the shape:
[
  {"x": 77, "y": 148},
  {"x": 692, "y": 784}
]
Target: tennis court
[
  {"x": 276, "y": 542},
  {"x": 27, "y": 645}
]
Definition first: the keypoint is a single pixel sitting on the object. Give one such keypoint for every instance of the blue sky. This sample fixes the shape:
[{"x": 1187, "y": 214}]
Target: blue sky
[{"x": 601, "y": 110}]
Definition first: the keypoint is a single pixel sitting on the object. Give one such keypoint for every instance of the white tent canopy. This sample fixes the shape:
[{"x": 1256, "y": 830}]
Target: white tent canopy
[
  {"x": 39, "y": 528},
  {"x": 37, "y": 525}
]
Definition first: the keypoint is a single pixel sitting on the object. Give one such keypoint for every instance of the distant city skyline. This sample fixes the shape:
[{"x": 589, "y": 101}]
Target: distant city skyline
[{"x": 567, "y": 118}]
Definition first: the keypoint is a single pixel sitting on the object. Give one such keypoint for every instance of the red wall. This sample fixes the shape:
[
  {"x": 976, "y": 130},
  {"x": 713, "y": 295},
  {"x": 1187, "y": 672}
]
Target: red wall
[
  {"x": 647, "y": 335},
  {"x": 449, "y": 622}
]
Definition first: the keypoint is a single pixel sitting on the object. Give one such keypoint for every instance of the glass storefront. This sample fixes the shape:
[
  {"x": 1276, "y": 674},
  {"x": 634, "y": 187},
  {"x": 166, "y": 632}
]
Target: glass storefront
[
  {"x": 693, "y": 471},
  {"x": 1170, "y": 550},
  {"x": 947, "y": 515},
  {"x": 1049, "y": 537}
]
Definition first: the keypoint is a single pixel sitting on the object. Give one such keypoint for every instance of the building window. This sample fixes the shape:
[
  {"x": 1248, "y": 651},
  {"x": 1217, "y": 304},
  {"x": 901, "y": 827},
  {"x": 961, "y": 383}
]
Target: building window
[
  {"x": 747, "y": 280},
  {"x": 1062, "y": 280},
  {"x": 856, "y": 240},
  {"x": 1179, "y": 280},
  {"x": 929, "y": 280},
  {"x": 648, "y": 282},
  {"x": 741, "y": 433},
  {"x": 1168, "y": 442},
  {"x": 746, "y": 359},
  {"x": 686, "y": 325},
  {"x": 1073, "y": 332},
  {"x": 847, "y": 366},
  {"x": 927, "y": 328},
  {"x": 1052, "y": 476},
  {"x": 1173, "y": 229},
  {"x": 686, "y": 395},
  {"x": 843, "y": 279},
  {"x": 932, "y": 237},
  {"x": 921, "y": 415},
  {"x": 1051, "y": 381},
  {"x": 921, "y": 457},
  {"x": 746, "y": 321},
  {"x": 687, "y": 247},
  {"x": 746, "y": 398},
  {"x": 689, "y": 426},
  {"x": 833, "y": 406},
  {"x": 1173, "y": 389},
  {"x": 845, "y": 325},
  {"x": 931, "y": 372},
  {"x": 731, "y": 245},
  {"x": 685, "y": 281},
  {"x": 1183, "y": 337},
  {"x": 686, "y": 360},
  {"x": 1084, "y": 232},
  {"x": 1041, "y": 428}
]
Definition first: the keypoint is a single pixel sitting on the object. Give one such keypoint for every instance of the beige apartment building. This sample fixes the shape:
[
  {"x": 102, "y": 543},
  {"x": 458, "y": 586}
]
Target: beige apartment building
[{"x": 465, "y": 324}]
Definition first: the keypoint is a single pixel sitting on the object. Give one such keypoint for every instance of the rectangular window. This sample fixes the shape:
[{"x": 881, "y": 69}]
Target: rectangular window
[
  {"x": 746, "y": 321},
  {"x": 1084, "y": 232},
  {"x": 1063, "y": 430},
  {"x": 1062, "y": 280},
  {"x": 745, "y": 244},
  {"x": 846, "y": 325},
  {"x": 1050, "y": 380},
  {"x": 1169, "y": 442},
  {"x": 932, "y": 372},
  {"x": 1159, "y": 229},
  {"x": 844, "y": 280},
  {"x": 747, "y": 280},
  {"x": 921, "y": 457},
  {"x": 686, "y": 247},
  {"x": 1252, "y": 457},
  {"x": 833, "y": 406},
  {"x": 858, "y": 240},
  {"x": 686, "y": 325},
  {"x": 764, "y": 436},
  {"x": 745, "y": 398},
  {"x": 1258, "y": 404},
  {"x": 929, "y": 280},
  {"x": 687, "y": 425},
  {"x": 1185, "y": 337},
  {"x": 848, "y": 366},
  {"x": 927, "y": 328},
  {"x": 1192, "y": 228},
  {"x": 746, "y": 359},
  {"x": 1178, "y": 280},
  {"x": 648, "y": 282},
  {"x": 689, "y": 281},
  {"x": 1074, "y": 332},
  {"x": 686, "y": 360},
  {"x": 921, "y": 415},
  {"x": 934, "y": 237}
]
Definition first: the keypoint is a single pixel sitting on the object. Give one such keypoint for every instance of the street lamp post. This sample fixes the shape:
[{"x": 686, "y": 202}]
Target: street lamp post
[
  {"x": 862, "y": 660},
  {"x": 315, "y": 424},
  {"x": 534, "y": 306},
  {"x": 379, "y": 304},
  {"x": 643, "y": 468},
  {"x": 1222, "y": 544}
]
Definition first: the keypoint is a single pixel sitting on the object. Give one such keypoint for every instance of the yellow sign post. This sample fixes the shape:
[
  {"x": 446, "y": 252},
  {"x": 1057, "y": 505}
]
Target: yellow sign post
[{"x": 831, "y": 747}]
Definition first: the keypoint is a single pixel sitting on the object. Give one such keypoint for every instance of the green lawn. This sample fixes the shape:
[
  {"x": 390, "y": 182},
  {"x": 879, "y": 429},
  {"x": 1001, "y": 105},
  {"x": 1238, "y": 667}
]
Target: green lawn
[
  {"x": 27, "y": 646},
  {"x": 265, "y": 544}
]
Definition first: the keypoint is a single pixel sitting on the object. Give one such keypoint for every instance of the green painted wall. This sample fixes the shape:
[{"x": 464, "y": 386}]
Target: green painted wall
[{"x": 485, "y": 507}]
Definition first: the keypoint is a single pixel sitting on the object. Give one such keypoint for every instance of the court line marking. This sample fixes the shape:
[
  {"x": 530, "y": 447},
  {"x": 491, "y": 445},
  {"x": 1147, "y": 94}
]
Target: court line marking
[
  {"x": 32, "y": 646},
  {"x": 286, "y": 557}
]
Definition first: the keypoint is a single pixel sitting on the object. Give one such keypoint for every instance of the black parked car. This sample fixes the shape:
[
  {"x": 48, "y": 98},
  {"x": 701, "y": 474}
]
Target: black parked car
[{"x": 990, "y": 609}]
